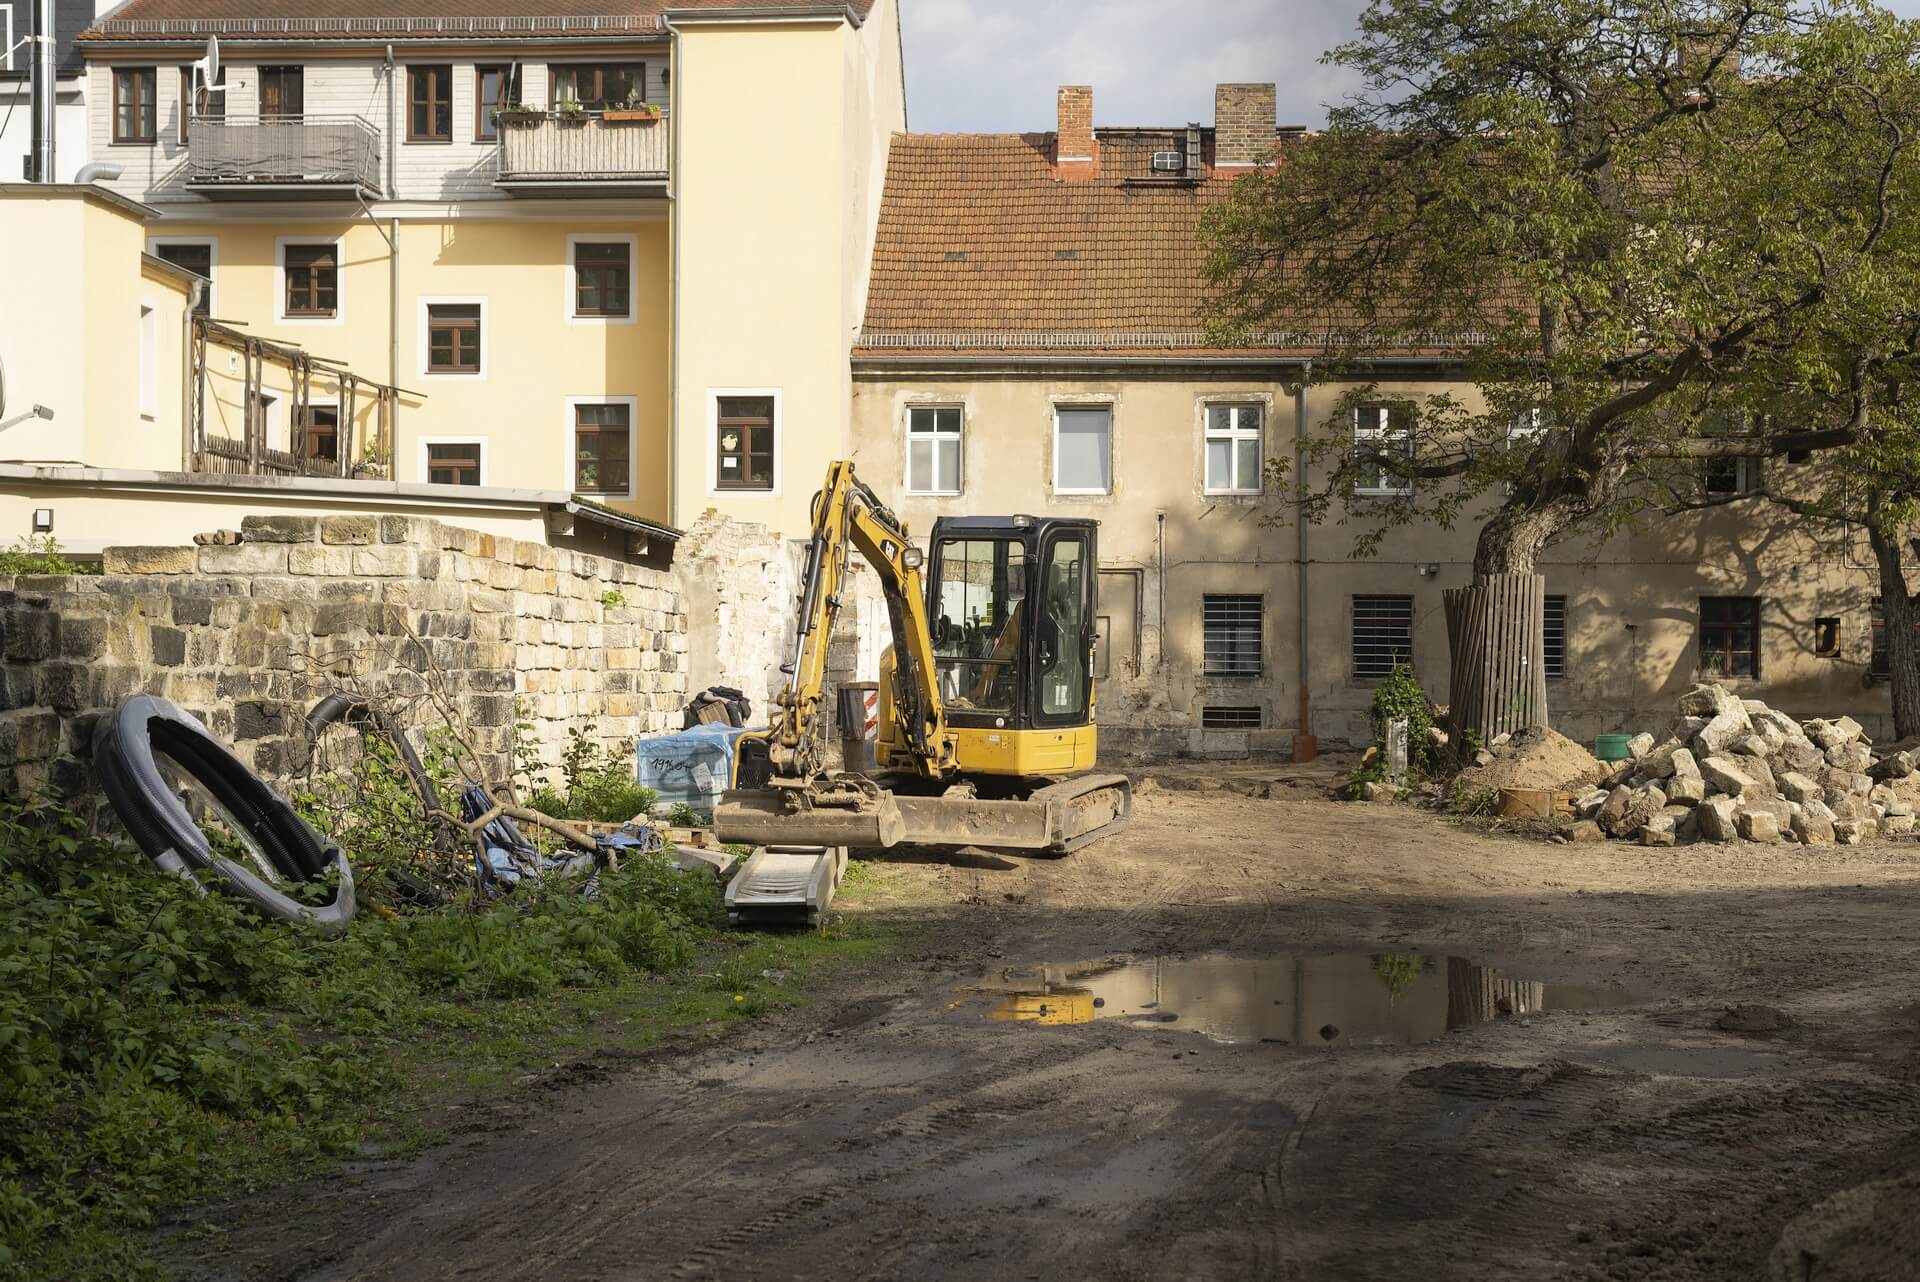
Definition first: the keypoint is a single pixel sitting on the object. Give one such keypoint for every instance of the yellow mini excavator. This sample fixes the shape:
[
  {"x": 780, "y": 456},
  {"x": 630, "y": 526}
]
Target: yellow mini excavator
[{"x": 986, "y": 734}]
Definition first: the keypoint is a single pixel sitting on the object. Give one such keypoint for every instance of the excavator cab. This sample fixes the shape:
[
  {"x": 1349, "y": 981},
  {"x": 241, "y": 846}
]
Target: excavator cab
[{"x": 1010, "y": 605}]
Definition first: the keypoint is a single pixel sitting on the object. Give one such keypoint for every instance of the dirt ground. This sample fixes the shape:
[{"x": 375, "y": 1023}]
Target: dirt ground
[{"x": 892, "y": 1131}]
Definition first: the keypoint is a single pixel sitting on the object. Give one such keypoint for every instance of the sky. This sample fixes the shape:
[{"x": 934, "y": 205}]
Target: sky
[{"x": 993, "y": 65}]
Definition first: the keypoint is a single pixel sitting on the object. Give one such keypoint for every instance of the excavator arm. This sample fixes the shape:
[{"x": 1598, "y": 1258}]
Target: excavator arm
[{"x": 849, "y": 518}]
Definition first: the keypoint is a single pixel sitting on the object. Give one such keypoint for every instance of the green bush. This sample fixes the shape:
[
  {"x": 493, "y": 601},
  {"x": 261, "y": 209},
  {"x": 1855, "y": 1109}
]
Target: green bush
[
  {"x": 39, "y": 554},
  {"x": 152, "y": 1036},
  {"x": 1399, "y": 694},
  {"x": 598, "y": 785}
]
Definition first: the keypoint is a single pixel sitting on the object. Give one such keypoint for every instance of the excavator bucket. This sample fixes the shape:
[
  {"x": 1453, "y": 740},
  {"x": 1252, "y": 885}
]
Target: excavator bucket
[
  {"x": 1058, "y": 818},
  {"x": 769, "y": 817}
]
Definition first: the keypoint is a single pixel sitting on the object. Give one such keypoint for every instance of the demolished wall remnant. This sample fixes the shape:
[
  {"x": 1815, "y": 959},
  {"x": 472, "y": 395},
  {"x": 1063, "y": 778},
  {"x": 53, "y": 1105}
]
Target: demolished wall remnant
[{"x": 246, "y": 635}]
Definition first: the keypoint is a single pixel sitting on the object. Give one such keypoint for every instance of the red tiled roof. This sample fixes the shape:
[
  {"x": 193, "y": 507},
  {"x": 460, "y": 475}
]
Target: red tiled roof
[
  {"x": 981, "y": 248},
  {"x": 161, "y": 20}
]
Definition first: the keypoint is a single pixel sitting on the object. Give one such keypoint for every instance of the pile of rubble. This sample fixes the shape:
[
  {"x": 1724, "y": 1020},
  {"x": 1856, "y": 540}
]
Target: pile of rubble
[{"x": 1736, "y": 769}]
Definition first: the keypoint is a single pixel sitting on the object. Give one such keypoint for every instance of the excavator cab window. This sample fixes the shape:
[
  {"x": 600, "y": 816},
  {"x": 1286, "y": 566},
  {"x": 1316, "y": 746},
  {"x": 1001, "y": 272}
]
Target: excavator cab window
[
  {"x": 1010, "y": 606},
  {"x": 1064, "y": 642},
  {"x": 979, "y": 599}
]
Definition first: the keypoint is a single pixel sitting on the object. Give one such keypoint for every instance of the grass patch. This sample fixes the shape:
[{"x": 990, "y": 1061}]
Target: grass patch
[{"x": 159, "y": 1047}]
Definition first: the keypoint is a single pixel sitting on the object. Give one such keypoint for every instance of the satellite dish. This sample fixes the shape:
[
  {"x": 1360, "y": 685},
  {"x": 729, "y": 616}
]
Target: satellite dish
[{"x": 213, "y": 60}]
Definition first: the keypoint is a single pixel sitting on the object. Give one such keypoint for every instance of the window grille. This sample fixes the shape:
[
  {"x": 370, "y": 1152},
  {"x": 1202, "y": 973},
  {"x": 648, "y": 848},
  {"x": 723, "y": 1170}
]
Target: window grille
[
  {"x": 1382, "y": 633},
  {"x": 1230, "y": 632}
]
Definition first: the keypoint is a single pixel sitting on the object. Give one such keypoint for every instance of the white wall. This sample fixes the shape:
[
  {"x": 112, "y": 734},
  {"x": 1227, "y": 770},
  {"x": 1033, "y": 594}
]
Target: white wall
[{"x": 16, "y": 128}]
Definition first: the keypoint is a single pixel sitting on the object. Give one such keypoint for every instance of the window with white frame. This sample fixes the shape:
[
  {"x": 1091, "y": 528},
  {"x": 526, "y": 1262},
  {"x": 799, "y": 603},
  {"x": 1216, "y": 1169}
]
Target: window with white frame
[
  {"x": 6, "y": 38},
  {"x": 933, "y": 449},
  {"x": 1727, "y": 474},
  {"x": 1233, "y": 449},
  {"x": 453, "y": 337},
  {"x": 1524, "y": 431},
  {"x": 309, "y": 280},
  {"x": 601, "y": 287},
  {"x": 1082, "y": 449},
  {"x": 1730, "y": 475},
  {"x": 603, "y": 448},
  {"x": 1382, "y": 437}
]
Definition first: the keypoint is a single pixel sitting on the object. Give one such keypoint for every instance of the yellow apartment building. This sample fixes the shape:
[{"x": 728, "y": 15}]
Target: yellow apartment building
[{"x": 612, "y": 253}]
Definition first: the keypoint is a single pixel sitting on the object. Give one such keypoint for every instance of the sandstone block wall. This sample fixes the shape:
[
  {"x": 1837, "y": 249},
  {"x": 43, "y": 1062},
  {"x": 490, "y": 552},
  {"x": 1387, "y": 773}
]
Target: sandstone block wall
[{"x": 247, "y": 635}]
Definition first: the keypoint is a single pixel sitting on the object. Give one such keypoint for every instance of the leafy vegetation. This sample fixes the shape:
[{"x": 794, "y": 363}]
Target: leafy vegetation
[
  {"x": 1398, "y": 971},
  {"x": 1649, "y": 234},
  {"x": 40, "y": 554},
  {"x": 1398, "y": 696},
  {"x": 598, "y": 784},
  {"x": 158, "y": 1045}
]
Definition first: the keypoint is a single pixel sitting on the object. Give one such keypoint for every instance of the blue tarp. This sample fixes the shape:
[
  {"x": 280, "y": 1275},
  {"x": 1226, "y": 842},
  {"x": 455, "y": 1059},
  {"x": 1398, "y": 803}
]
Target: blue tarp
[
  {"x": 691, "y": 767},
  {"x": 510, "y": 857}
]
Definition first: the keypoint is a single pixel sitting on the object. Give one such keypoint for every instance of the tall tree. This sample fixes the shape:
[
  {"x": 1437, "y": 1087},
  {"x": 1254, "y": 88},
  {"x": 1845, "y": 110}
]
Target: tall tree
[{"x": 1604, "y": 213}]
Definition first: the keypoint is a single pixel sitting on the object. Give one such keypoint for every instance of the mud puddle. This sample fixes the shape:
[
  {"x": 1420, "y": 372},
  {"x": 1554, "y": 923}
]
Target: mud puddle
[{"x": 1340, "y": 999}]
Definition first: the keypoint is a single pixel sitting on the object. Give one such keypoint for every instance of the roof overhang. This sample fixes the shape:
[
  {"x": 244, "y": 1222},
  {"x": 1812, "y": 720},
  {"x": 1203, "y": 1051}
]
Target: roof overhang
[
  {"x": 365, "y": 494},
  {"x": 750, "y": 14},
  {"x": 80, "y": 191}
]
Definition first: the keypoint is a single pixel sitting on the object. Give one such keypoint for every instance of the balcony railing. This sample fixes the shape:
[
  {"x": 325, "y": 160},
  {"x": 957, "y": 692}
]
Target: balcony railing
[
  {"x": 247, "y": 153},
  {"x": 590, "y": 151}
]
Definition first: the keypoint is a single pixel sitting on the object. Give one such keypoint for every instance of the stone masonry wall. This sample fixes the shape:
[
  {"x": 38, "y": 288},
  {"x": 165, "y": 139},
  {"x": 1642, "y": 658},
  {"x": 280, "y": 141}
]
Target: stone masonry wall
[{"x": 247, "y": 635}]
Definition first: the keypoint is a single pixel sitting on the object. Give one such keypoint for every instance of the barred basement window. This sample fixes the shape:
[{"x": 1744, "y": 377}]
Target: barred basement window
[
  {"x": 1382, "y": 633},
  {"x": 1555, "y": 637},
  {"x": 1230, "y": 632},
  {"x": 1213, "y": 717}
]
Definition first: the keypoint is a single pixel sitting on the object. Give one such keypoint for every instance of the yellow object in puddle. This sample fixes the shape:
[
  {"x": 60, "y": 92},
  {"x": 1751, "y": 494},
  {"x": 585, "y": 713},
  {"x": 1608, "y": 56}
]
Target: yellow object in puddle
[{"x": 1061, "y": 1006}]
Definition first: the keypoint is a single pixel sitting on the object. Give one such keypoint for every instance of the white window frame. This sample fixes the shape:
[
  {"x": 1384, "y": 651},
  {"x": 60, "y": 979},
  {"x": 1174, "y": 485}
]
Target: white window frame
[
  {"x": 149, "y": 363},
  {"x": 156, "y": 243},
  {"x": 6, "y": 43},
  {"x": 710, "y": 426},
  {"x": 1526, "y": 427},
  {"x": 569, "y": 298},
  {"x": 280, "y": 316},
  {"x": 1376, "y": 434},
  {"x": 425, "y": 441},
  {"x": 1105, "y": 404},
  {"x": 423, "y": 337},
  {"x": 633, "y": 442},
  {"x": 1746, "y": 475},
  {"x": 958, "y": 436},
  {"x": 1233, "y": 435}
]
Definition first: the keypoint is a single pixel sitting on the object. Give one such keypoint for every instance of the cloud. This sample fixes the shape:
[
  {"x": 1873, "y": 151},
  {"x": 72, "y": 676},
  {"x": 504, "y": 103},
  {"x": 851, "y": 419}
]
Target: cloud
[{"x": 993, "y": 65}]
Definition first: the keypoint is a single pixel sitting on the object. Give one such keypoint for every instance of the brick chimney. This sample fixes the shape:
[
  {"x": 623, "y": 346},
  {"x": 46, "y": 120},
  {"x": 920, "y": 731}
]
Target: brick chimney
[
  {"x": 1075, "y": 153},
  {"x": 1243, "y": 122}
]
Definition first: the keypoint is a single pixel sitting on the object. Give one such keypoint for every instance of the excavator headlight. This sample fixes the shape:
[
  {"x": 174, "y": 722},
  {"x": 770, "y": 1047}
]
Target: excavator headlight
[{"x": 913, "y": 558}]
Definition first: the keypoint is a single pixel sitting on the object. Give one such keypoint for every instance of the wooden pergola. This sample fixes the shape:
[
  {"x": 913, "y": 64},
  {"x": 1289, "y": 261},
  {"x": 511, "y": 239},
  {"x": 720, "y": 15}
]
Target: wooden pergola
[{"x": 249, "y": 454}]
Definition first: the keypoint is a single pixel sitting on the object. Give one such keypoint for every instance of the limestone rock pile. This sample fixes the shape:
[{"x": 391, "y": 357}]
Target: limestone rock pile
[{"x": 1734, "y": 769}]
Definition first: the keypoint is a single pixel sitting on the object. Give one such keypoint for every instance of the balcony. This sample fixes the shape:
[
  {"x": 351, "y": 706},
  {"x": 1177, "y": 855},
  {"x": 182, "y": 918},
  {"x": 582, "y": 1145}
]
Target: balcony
[
  {"x": 274, "y": 157},
  {"x": 546, "y": 153}
]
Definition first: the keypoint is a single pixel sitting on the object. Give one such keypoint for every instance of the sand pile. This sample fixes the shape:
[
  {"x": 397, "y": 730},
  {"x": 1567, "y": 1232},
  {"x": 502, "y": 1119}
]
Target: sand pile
[{"x": 1532, "y": 758}]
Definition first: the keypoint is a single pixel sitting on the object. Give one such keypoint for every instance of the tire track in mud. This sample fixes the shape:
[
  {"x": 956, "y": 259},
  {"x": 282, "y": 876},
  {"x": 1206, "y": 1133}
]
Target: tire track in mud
[{"x": 718, "y": 1233}]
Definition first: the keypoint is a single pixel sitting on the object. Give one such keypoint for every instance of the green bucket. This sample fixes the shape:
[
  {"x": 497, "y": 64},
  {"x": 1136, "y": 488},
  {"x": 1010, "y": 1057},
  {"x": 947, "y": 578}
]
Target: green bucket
[{"x": 1611, "y": 747}]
